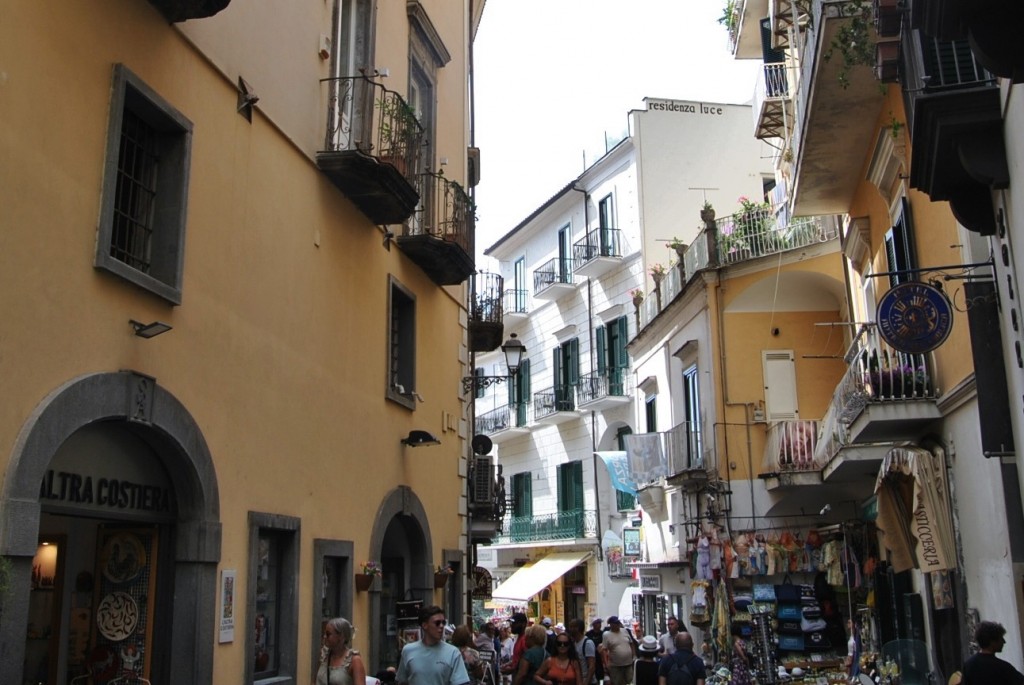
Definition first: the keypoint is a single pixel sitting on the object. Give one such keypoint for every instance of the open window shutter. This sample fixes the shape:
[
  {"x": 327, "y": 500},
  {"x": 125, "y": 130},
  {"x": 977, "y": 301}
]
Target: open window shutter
[
  {"x": 562, "y": 488},
  {"x": 524, "y": 374},
  {"x": 621, "y": 356},
  {"x": 512, "y": 387},
  {"x": 602, "y": 350},
  {"x": 900, "y": 253},
  {"x": 577, "y": 485},
  {"x": 780, "y": 385},
  {"x": 556, "y": 367},
  {"x": 574, "y": 362}
]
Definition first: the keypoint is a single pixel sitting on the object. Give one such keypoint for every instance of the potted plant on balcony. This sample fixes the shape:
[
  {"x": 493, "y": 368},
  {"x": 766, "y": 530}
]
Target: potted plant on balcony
[
  {"x": 638, "y": 297},
  {"x": 657, "y": 272},
  {"x": 370, "y": 570},
  {"x": 707, "y": 212},
  {"x": 679, "y": 246},
  {"x": 441, "y": 574},
  {"x": 852, "y": 42},
  {"x": 398, "y": 125}
]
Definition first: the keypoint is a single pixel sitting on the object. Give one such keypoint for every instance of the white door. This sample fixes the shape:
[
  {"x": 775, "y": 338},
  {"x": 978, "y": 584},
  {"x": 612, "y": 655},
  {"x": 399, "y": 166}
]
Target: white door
[{"x": 780, "y": 385}]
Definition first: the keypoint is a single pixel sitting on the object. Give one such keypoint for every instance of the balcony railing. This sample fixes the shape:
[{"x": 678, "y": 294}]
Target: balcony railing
[
  {"x": 562, "y": 525},
  {"x": 553, "y": 400},
  {"x": 500, "y": 419},
  {"x": 610, "y": 383},
  {"x": 486, "y": 320},
  {"x": 756, "y": 233},
  {"x": 372, "y": 148},
  {"x": 438, "y": 237},
  {"x": 771, "y": 94},
  {"x": 600, "y": 242},
  {"x": 791, "y": 446},
  {"x": 878, "y": 374},
  {"x": 554, "y": 271},
  {"x": 516, "y": 301}
]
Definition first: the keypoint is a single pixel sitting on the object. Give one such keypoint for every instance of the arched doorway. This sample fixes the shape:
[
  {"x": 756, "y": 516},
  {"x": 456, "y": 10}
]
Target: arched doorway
[
  {"x": 113, "y": 472},
  {"x": 401, "y": 539}
]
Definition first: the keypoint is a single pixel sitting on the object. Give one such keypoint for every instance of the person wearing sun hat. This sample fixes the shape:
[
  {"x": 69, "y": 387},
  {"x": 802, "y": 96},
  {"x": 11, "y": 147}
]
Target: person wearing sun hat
[{"x": 645, "y": 669}]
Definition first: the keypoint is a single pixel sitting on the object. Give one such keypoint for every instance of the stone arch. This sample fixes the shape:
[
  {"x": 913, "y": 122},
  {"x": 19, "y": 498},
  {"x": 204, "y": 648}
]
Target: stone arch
[
  {"x": 159, "y": 418},
  {"x": 401, "y": 505}
]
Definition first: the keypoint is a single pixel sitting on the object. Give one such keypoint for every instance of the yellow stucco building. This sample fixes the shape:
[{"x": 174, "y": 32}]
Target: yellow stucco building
[{"x": 187, "y": 501}]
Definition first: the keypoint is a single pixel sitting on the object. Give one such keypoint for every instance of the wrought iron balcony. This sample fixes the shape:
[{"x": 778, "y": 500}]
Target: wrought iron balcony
[
  {"x": 486, "y": 324},
  {"x": 598, "y": 252},
  {"x": 372, "y": 148},
  {"x": 756, "y": 233},
  {"x": 507, "y": 421},
  {"x": 438, "y": 236},
  {"x": 563, "y": 525},
  {"x": 516, "y": 304},
  {"x": 605, "y": 389},
  {"x": 885, "y": 394},
  {"x": 772, "y": 106},
  {"x": 553, "y": 279},
  {"x": 956, "y": 127},
  {"x": 555, "y": 404}
]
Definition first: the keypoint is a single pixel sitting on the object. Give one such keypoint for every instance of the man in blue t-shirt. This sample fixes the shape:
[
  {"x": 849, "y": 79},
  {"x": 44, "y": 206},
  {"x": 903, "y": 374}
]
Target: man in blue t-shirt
[
  {"x": 683, "y": 656},
  {"x": 431, "y": 660}
]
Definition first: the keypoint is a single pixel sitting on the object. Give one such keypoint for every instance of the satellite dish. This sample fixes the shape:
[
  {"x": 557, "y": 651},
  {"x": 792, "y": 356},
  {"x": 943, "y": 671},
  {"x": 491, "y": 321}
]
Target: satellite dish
[{"x": 482, "y": 444}]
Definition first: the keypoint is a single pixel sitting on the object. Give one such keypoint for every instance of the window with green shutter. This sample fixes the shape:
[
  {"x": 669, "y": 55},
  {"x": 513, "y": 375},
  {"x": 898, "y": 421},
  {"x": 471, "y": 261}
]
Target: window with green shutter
[{"x": 522, "y": 494}]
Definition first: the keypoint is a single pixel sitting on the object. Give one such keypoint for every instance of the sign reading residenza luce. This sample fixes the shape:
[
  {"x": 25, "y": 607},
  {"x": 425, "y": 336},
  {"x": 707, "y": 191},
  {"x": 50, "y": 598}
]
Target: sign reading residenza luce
[{"x": 684, "y": 107}]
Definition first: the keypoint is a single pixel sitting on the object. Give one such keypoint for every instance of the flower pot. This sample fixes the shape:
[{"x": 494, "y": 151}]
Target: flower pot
[
  {"x": 363, "y": 581},
  {"x": 637, "y": 301},
  {"x": 440, "y": 580},
  {"x": 707, "y": 215},
  {"x": 680, "y": 250}
]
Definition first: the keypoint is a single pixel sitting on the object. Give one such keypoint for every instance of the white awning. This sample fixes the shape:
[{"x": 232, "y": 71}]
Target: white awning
[{"x": 529, "y": 580}]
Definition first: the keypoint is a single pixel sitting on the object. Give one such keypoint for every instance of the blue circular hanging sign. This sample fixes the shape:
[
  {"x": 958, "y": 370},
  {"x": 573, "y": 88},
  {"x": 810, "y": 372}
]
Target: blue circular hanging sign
[{"x": 915, "y": 317}]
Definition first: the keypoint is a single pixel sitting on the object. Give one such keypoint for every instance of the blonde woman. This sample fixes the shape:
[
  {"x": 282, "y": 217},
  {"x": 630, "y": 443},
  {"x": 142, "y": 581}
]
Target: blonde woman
[{"x": 339, "y": 663}]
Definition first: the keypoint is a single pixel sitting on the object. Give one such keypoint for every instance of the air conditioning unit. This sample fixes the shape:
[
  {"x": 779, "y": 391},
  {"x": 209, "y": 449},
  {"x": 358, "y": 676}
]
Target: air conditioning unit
[{"x": 483, "y": 480}]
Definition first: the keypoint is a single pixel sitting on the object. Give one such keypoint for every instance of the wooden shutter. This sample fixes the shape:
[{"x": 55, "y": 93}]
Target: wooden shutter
[
  {"x": 620, "y": 356},
  {"x": 602, "y": 350},
  {"x": 574, "y": 362},
  {"x": 780, "y": 396}
]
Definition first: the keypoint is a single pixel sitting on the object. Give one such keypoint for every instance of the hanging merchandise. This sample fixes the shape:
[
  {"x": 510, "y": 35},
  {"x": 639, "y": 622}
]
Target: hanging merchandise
[
  {"x": 700, "y": 612},
  {"x": 720, "y": 622},
  {"x": 703, "y": 558}
]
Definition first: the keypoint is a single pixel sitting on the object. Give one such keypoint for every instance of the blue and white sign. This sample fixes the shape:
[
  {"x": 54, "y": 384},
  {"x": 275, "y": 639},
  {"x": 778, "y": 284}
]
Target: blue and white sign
[{"x": 915, "y": 317}]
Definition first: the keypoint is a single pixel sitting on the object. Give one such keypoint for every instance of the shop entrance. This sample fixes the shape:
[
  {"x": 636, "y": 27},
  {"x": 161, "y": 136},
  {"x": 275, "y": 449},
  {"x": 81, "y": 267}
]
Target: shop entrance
[{"x": 102, "y": 499}]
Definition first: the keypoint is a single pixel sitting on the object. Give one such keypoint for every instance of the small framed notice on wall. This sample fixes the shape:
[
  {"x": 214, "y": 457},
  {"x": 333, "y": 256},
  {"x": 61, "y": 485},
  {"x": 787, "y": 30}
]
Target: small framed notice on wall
[{"x": 226, "y": 614}]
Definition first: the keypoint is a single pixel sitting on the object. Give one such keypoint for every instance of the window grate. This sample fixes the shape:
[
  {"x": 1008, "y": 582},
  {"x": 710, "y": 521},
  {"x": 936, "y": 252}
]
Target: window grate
[{"x": 138, "y": 160}]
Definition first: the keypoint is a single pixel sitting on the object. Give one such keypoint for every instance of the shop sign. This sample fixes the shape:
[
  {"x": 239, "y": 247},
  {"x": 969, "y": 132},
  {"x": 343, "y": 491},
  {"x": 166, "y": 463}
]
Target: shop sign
[
  {"x": 650, "y": 583},
  {"x": 631, "y": 542},
  {"x": 914, "y": 317},
  {"x": 481, "y": 583}
]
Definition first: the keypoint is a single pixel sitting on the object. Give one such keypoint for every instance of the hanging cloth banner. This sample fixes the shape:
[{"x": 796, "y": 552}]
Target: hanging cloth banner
[
  {"x": 618, "y": 471},
  {"x": 913, "y": 510}
]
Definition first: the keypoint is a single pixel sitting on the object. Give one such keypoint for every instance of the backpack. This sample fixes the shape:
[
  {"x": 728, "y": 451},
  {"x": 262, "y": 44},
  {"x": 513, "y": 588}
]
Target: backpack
[{"x": 680, "y": 675}]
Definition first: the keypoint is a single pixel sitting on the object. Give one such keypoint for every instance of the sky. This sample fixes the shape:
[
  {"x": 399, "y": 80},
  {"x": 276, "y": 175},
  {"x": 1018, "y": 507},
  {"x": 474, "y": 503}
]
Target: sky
[{"x": 553, "y": 76}]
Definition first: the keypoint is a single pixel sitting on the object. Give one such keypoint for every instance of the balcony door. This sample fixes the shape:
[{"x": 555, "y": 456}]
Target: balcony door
[
  {"x": 566, "y": 366},
  {"x": 519, "y": 278},
  {"x": 353, "y": 22},
  {"x": 606, "y": 215},
  {"x": 519, "y": 393},
  {"x": 570, "y": 498},
  {"x": 565, "y": 254},
  {"x": 691, "y": 408},
  {"x": 612, "y": 359}
]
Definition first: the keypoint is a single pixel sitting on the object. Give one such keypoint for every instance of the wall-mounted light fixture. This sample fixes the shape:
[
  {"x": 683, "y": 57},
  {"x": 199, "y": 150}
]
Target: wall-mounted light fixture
[
  {"x": 417, "y": 438},
  {"x": 514, "y": 350},
  {"x": 149, "y": 330}
]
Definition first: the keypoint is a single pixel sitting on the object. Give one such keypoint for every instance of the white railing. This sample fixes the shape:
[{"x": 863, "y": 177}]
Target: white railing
[
  {"x": 791, "y": 447},
  {"x": 756, "y": 232},
  {"x": 773, "y": 85}
]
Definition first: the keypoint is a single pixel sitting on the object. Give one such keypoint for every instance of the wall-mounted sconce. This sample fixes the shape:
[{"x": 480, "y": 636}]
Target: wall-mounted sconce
[
  {"x": 514, "y": 350},
  {"x": 149, "y": 330},
  {"x": 418, "y": 438}
]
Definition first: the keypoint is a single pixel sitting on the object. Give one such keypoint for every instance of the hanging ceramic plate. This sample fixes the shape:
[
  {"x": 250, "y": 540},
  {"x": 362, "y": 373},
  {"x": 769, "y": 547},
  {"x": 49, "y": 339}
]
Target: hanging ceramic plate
[
  {"x": 123, "y": 557},
  {"x": 117, "y": 616}
]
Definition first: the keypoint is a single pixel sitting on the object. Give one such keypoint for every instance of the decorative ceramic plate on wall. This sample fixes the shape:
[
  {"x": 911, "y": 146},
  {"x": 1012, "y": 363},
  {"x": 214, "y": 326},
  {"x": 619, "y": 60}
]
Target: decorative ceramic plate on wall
[
  {"x": 123, "y": 557},
  {"x": 117, "y": 616}
]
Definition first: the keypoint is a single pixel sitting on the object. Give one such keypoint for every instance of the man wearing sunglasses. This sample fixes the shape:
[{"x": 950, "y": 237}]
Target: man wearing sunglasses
[{"x": 431, "y": 660}]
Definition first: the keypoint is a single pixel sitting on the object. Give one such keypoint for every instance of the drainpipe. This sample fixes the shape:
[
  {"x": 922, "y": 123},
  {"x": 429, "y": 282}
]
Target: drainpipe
[
  {"x": 593, "y": 414},
  {"x": 470, "y": 570}
]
